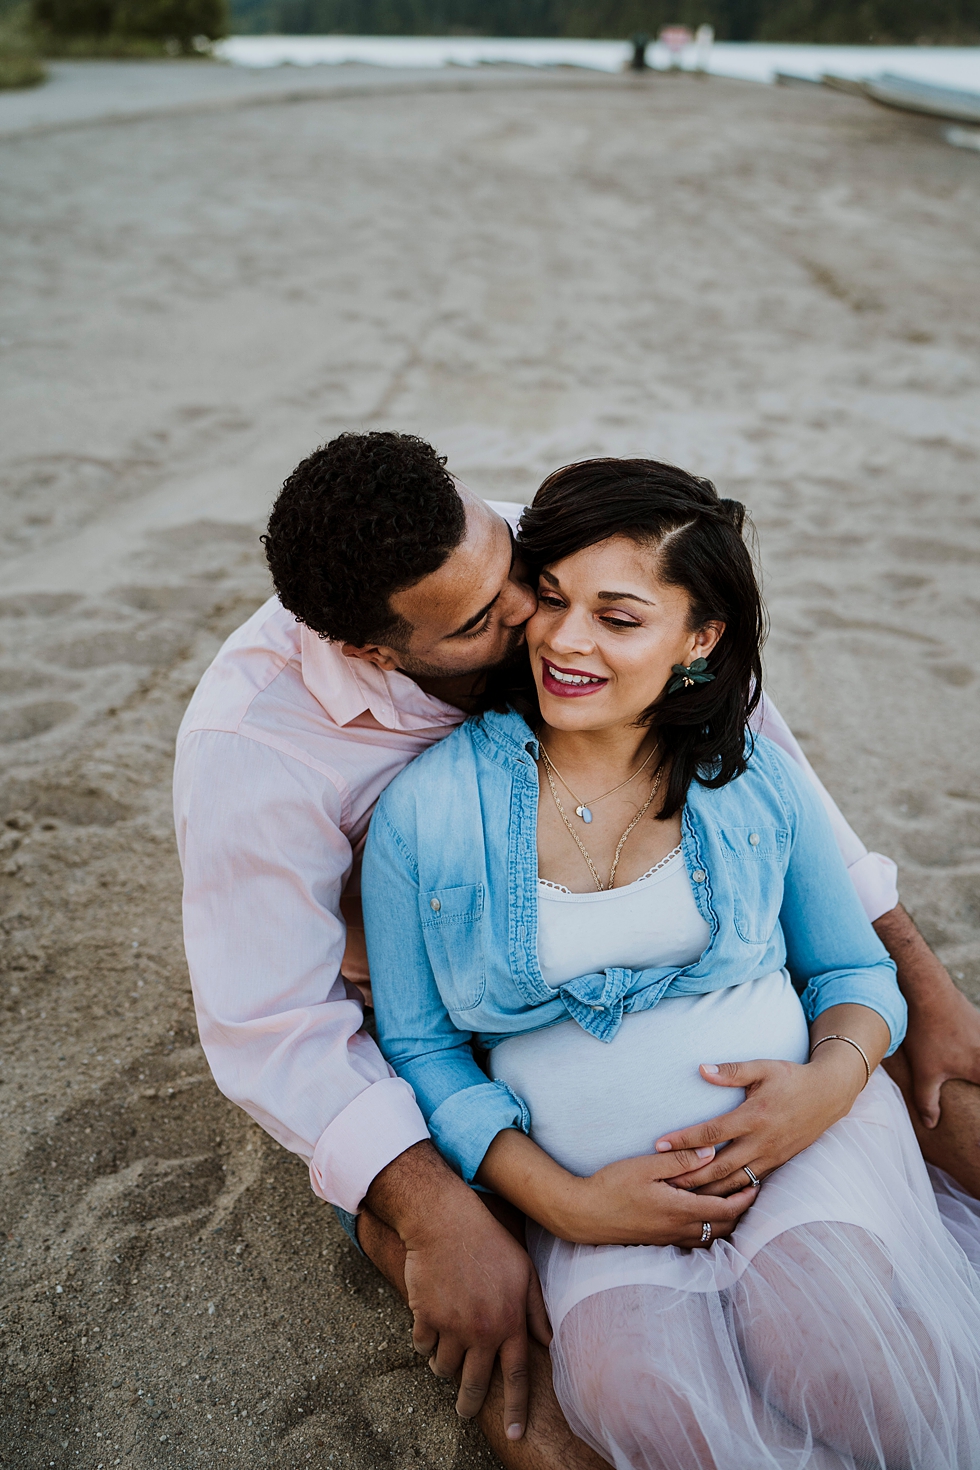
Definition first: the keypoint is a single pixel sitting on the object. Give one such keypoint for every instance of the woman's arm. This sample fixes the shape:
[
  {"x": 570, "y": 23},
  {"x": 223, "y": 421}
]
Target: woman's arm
[
  {"x": 849, "y": 980},
  {"x": 462, "y": 1107},
  {"x": 626, "y": 1203}
]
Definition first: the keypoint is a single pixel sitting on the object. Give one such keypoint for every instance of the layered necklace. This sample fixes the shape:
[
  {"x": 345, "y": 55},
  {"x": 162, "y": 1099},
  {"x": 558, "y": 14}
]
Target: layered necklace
[
  {"x": 583, "y": 808},
  {"x": 582, "y": 811}
]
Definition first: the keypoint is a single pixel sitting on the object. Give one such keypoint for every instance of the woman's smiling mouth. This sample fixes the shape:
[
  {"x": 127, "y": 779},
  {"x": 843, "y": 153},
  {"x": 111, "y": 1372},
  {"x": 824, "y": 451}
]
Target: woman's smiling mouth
[{"x": 568, "y": 683}]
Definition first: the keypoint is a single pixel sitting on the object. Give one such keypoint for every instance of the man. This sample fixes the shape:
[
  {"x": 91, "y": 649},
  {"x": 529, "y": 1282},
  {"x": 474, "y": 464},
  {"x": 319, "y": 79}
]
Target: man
[{"x": 397, "y": 590}]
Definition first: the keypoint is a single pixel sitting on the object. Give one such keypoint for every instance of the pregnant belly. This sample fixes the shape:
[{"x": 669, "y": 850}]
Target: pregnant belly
[{"x": 592, "y": 1102}]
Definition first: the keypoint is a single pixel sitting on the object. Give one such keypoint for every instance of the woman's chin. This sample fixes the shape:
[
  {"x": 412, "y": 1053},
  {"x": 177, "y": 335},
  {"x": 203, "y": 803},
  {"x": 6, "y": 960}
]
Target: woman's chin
[{"x": 574, "y": 711}]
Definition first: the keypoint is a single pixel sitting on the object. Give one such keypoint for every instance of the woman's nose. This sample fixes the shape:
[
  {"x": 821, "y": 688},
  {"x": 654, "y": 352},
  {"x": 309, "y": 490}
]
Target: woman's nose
[{"x": 571, "y": 634}]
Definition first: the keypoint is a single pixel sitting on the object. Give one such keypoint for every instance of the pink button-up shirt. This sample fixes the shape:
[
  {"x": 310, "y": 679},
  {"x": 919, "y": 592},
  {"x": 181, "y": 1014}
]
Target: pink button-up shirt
[{"x": 281, "y": 756}]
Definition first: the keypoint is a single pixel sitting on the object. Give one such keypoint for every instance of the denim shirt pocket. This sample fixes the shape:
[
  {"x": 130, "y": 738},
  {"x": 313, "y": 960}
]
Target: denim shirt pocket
[
  {"x": 452, "y": 922},
  {"x": 755, "y": 861}
]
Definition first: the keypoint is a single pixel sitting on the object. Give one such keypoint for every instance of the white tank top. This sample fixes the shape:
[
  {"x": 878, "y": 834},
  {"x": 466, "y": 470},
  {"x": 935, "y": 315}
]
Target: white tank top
[
  {"x": 654, "y": 921},
  {"x": 591, "y": 1101}
]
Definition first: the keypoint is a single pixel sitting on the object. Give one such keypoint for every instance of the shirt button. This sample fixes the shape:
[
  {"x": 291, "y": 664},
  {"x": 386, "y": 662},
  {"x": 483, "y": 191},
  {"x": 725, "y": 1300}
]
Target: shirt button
[
  {"x": 596, "y": 1008},
  {"x": 699, "y": 875},
  {"x": 434, "y": 905},
  {"x": 754, "y": 839}
]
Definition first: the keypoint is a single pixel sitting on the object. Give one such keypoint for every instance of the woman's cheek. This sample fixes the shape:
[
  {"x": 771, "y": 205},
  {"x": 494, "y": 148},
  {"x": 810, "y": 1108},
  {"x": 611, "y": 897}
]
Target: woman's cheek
[{"x": 534, "y": 631}]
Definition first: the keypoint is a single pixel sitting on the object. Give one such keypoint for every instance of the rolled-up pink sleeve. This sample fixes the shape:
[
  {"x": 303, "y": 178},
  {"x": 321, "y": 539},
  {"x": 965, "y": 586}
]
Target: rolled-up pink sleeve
[
  {"x": 875, "y": 877},
  {"x": 265, "y": 861}
]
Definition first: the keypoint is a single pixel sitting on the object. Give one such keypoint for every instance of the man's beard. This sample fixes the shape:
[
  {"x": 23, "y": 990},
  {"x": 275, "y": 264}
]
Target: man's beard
[{"x": 418, "y": 668}]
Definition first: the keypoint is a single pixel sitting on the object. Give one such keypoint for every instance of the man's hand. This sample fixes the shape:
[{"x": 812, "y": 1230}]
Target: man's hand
[
  {"x": 943, "y": 1037},
  {"x": 471, "y": 1288}
]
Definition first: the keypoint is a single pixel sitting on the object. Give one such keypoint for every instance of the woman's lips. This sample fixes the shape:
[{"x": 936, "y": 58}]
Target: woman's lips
[{"x": 569, "y": 683}]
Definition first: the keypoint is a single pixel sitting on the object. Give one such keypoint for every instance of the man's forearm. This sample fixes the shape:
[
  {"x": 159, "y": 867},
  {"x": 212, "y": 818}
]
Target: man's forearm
[
  {"x": 415, "y": 1190},
  {"x": 922, "y": 977}
]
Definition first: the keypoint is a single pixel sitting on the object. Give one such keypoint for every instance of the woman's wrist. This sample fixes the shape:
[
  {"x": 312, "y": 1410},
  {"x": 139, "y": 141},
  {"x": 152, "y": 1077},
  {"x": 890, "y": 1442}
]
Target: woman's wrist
[
  {"x": 522, "y": 1173},
  {"x": 840, "y": 1073}
]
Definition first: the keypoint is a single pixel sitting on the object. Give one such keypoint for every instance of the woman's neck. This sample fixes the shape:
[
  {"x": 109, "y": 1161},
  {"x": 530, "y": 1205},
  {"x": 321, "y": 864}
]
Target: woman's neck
[{"x": 611, "y": 753}]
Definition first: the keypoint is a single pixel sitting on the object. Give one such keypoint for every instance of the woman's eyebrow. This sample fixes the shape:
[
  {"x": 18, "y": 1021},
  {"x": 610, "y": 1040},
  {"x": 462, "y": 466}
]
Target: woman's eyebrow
[{"x": 623, "y": 597}]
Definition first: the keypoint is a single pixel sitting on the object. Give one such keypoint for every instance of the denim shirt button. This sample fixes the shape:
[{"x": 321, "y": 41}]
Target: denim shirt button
[
  {"x": 754, "y": 839},
  {"x": 596, "y": 1008},
  {"x": 699, "y": 875},
  {"x": 434, "y": 905}
]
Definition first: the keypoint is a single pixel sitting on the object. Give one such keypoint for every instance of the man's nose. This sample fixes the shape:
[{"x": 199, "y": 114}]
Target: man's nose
[{"x": 521, "y": 605}]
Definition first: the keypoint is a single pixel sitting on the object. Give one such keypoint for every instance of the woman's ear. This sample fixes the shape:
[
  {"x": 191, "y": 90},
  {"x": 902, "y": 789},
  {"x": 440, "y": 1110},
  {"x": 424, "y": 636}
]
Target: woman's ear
[{"x": 706, "y": 639}]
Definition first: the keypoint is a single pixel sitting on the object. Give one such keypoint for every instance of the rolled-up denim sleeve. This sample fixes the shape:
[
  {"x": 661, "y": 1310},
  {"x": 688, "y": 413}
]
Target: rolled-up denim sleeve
[
  {"x": 463, "y": 1109},
  {"x": 833, "y": 954}
]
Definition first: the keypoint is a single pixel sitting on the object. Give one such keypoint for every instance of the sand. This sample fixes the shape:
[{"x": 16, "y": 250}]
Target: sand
[{"x": 774, "y": 287}]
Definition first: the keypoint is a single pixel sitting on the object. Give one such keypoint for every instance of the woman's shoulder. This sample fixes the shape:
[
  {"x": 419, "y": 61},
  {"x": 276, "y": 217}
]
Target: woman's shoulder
[
  {"x": 774, "y": 772},
  {"x": 771, "y": 784},
  {"x": 435, "y": 781},
  {"x": 430, "y": 770}
]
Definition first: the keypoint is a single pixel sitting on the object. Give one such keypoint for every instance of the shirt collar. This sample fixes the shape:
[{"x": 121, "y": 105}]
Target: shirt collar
[{"x": 349, "y": 687}]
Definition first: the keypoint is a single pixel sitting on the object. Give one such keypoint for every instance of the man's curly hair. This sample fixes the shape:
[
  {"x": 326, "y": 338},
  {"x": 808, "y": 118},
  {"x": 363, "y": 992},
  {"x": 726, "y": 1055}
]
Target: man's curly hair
[{"x": 362, "y": 518}]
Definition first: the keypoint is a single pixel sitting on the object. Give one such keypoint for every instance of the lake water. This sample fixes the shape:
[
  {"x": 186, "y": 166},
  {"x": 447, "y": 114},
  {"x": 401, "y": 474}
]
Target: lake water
[{"x": 956, "y": 66}]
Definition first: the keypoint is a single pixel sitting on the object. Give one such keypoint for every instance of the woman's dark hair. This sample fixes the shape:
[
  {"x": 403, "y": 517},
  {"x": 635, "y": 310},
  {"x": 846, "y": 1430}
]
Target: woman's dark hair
[{"x": 697, "y": 539}]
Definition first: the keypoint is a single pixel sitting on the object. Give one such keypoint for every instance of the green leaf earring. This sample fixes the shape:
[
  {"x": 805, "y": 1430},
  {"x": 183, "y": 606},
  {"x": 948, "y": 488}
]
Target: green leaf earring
[{"x": 687, "y": 677}]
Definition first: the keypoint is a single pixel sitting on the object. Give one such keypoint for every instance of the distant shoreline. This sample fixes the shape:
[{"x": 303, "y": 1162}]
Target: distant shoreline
[{"x": 957, "y": 66}]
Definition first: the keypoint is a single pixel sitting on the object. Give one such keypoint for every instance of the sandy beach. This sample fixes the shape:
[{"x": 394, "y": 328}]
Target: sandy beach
[{"x": 775, "y": 287}]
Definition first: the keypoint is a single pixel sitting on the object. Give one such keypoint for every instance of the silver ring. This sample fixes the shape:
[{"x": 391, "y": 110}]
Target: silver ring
[
  {"x": 753, "y": 1177},
  {"x": 705, "y": 1232}
]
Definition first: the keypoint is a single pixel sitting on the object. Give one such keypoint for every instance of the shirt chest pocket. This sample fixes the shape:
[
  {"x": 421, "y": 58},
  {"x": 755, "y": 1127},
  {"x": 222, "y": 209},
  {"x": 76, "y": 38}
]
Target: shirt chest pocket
[
  {"x": 452, "y": 922},
  {"x": 755, "y": 858}
]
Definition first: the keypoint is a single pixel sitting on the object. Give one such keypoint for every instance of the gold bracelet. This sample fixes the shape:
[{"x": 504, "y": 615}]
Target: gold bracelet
[{"x": 867, "y": 1064}]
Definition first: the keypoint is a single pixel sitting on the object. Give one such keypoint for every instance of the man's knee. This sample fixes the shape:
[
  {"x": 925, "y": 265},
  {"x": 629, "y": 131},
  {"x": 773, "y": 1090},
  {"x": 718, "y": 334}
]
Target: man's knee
[{"x": 548, "y": 1442}]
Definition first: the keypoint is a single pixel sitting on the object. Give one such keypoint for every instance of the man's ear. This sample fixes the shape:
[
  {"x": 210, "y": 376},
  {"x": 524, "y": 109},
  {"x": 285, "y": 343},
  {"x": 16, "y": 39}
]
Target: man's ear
[{"x": 378, "y": 654}]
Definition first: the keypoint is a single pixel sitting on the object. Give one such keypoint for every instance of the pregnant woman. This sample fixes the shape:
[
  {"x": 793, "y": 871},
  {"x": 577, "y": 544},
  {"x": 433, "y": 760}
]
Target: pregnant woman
[{"x": 600, "y": 914}]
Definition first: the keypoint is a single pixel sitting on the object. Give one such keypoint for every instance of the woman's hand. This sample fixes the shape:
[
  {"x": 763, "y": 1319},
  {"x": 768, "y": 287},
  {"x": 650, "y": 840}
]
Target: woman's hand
[
  {"x": 626, "y": 1203},
  {"x": 787, "y": 1105},
  {"x": 637, "y": 1202}
]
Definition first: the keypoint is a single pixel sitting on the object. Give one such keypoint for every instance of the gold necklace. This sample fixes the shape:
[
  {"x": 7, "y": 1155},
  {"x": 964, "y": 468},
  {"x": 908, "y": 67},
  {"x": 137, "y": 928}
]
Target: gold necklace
[
  {"x": 622, "y": 841},
  {"x": 582, "y": 809}
]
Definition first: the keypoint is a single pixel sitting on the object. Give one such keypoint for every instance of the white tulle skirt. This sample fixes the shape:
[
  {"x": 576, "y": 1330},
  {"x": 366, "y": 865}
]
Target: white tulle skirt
[{"x": 838, "y": 1328}]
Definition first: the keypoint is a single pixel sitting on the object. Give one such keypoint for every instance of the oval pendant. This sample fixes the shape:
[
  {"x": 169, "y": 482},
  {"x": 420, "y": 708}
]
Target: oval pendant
[{"x": 584, "y": 813}]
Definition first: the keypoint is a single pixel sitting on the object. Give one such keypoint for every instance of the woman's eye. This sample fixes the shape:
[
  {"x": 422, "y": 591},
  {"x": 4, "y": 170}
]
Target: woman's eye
[
  {"x": 548, "y": 599},
  {"x": 619, "y": 623}
]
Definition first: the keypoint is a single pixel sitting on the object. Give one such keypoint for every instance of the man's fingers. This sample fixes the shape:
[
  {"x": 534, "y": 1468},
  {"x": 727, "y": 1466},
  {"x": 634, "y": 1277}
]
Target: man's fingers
[
  {"x": 474, "y": 1382},
  {"x": 513, "y": 1366},
  {"x": 537, "y": 1313},
  {"x": 926, "y": 1095},
  {"x": 424, "y": 1338}
]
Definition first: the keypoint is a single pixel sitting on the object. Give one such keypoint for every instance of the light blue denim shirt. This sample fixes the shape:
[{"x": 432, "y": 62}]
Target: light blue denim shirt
[{"x": 450, "y": 894}]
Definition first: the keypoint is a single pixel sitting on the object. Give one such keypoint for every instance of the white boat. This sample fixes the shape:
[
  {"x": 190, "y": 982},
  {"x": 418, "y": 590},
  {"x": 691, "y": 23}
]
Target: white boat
[{"x": 926, "y": 97}]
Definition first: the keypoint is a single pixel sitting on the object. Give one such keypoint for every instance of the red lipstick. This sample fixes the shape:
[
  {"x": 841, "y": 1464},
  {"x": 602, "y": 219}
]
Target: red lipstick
[{"x": 569, "y": 683}]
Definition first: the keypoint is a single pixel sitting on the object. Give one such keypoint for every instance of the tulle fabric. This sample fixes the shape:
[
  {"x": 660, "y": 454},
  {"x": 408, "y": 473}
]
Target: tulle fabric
[{"x": 838, "y": 1328}]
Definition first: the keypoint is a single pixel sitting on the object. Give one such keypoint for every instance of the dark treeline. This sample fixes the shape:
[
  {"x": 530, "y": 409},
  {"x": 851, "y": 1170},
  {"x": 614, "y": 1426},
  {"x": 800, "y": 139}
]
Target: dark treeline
[{"x": 830, "y": 21}]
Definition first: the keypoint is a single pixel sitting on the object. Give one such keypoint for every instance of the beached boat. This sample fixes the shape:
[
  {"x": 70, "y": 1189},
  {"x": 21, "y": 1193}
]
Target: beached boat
[{"x": 926, "y": 97}]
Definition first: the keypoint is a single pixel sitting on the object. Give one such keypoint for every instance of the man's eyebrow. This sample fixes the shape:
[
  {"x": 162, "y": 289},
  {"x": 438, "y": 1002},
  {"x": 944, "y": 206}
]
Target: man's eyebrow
[
  {"x": 603, "y": 596},
  {"x": 476, "y": 618}
]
